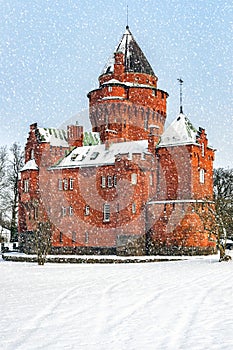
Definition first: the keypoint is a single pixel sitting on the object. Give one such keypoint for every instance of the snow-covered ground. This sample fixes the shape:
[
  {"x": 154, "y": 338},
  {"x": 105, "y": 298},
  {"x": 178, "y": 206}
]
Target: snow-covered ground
[{"x": 166, "y": 305}]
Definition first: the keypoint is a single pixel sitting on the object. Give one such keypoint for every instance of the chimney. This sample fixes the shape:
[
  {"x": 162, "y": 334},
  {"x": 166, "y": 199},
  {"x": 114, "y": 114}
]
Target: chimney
[
  {"x": 153, "y": 138},
  {"x": 75, "y": 135},
  {"x": 33, "y": 127}
]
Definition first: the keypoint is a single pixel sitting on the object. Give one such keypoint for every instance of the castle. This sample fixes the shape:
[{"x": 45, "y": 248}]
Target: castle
[{"x": 129, "y": 187}]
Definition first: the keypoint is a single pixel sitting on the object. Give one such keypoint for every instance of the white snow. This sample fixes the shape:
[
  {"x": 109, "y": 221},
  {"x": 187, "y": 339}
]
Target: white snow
[
  {"x": 30, "y": 165},
  {"x": 181, "y": 131},
  {"x": 82, "y": 156},
  {"x": 56, "y": 137},
  {"x": 157, "y": 306}
]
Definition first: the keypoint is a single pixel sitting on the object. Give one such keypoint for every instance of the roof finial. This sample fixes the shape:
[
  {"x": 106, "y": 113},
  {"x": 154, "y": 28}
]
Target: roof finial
[
  {"x": 181, "y": 103},
  {"x": 127, "y": 17}
]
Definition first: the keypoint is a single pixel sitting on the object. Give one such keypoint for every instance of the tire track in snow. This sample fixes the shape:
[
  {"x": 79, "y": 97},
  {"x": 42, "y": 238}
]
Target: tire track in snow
[
  {"x": 186, "y": 320},
  {"x": 109, "y": 322},
  {"x": 27, "y": 331}
]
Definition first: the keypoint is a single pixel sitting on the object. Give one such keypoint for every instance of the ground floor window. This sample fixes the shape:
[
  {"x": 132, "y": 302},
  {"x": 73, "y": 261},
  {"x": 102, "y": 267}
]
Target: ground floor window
[{"x": 106, "y": 212}]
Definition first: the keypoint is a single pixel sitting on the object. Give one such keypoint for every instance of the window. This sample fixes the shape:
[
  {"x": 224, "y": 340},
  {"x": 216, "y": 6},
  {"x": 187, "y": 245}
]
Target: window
[
  {"x": 115, "y": 181},
  {"x": 110, "y": 89},
  {"x": 165, "y": 208},
  {"x": 71, "y": 211},
  {"x": 87, "y": 210},
  {"x": 134, "y": 179},
  {"x": 60, "y": 186},
  {"x": 26, "y": 186},
  {"x": 133, "y": 208},
  {"x": 118, "y": 208},
  {"x": 71, "y": 184},
  {"x": 35, "y": 213},
  {"x": 109, "y": 181},
  {"x": 202, "y": 176},
  {"x": 203, "y": 150},
  {"x": 73, "y": 237},
  {"x": 65, "y": 184},
  {"x": 103, "y": 181},
  {"x": 94, "y": 155},
  {"x": 106, "y": 212},
  {"x": 86, "y": 237},
  {"x": 61, "y": 237},
  {"x": 151, "y": 179},
  {"x": 63, "y": 211},
  {"x": 32, "y": 154}
]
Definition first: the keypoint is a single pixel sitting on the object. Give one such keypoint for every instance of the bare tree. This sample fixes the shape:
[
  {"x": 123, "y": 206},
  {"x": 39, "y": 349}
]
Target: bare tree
[
  {"x": 4, "y": 218},
  {"x": 217, "y": 214},
  {"x": 14, "y": 165},
  {"x": 42, "y": 241}
]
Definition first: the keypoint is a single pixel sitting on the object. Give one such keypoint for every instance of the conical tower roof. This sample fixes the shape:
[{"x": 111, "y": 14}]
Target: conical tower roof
[
  {"x": 134, "y": 59},
  {"x": 180, "y": 132}
]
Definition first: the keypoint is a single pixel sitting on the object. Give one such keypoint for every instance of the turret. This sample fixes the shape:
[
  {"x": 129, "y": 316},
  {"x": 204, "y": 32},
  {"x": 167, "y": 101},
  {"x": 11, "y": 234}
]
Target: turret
[{"x": 127, "y": 100}]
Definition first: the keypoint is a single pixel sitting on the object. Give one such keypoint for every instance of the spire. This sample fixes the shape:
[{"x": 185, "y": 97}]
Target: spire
[
  {"x": 181, "y": 102},
  {"x": 134, "y": 58}
]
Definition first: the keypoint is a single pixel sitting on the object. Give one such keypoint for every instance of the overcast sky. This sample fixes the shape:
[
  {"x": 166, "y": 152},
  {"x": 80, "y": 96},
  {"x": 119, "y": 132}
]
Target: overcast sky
[{"x": 52, "y": 52}]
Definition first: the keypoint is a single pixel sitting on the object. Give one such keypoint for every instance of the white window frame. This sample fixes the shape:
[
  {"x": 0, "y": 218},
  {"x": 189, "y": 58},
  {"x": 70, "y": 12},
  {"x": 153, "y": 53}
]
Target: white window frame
[
  {"x": 26, "y": 185},
  {"x": 86, "y": 237},
  {"x": 203, "y": 150},
  {"x": 74, "y": 237},
  {"x": 71, "y": 184},
  {"x": 36, "y": 212},
  {"x": 71, "y": 211},
  {"x": 115, "y": 180},
  {"x": 202, "y": 176},
  {"x": 151, "y": 179},
  {"x": 134, "y": 179},
  {"x": 87, "y": 210},
  {"x": 32, "y": 155},
  {"x": 103, "y": 181},
  {"x": 106, "y": 212},
  {"x": 60, "y": 184},
  {"x": 66, "y": 186},
  {"x": 109, "y": 180},
  {"x": 134, "y": 208},
  {"x": 63, "y": 211}
]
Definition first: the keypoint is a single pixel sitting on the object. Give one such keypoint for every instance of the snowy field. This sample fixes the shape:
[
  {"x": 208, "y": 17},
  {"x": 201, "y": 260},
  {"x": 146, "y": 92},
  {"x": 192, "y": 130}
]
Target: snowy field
[{"x": 164, "y": 306}]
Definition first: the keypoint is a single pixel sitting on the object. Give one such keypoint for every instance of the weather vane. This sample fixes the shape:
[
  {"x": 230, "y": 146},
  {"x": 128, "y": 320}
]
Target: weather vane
[{"x": 181, "y": 103}]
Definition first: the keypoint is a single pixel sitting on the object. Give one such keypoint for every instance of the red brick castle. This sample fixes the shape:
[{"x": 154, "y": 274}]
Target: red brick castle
[{"x": 129, "y": 186}]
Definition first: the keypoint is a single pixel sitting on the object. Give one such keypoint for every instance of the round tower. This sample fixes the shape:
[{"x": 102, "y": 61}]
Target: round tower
[{"x": 127, "y": 102}]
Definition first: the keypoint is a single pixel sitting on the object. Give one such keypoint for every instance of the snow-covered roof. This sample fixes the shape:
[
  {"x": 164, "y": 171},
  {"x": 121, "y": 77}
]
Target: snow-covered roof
[
  {"x": 30, "y": 165},
  {"x": 126, "y": 83},
  {"x": 100, "y": 155},
  {"x": 56, "y": 137},
  {"x": 134, "y": 59},
  {"x": 180, "y": 132}
]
